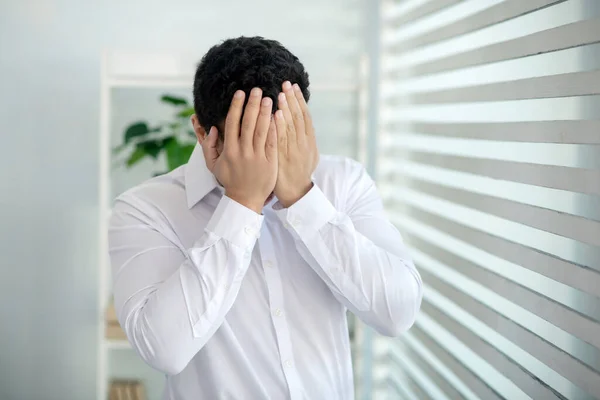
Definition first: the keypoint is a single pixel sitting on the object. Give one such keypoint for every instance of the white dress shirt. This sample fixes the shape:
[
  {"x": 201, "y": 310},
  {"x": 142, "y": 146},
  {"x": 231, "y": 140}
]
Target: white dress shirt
[{"x": 230, "y": 304}]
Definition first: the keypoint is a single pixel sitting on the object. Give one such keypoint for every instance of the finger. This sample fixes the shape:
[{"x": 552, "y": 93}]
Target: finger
[
  {"x": 290, "y": 130},
  {"x": 262, "y": 124},
  {"x": 295, "y": 110},
  {"x": 249, "y": 121},
  {"x": 209, "y": 148},
  {"x": 282, "y": 132},
  {"x": 232, "y": 122},
  {"x": 308, "y": 123},
  {"x": 271, "y": 142}
]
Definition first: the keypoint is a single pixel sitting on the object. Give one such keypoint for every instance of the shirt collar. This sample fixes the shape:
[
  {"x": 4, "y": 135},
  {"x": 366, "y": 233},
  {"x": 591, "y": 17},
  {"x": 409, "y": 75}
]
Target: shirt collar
[{"x": 199, "y": 181}]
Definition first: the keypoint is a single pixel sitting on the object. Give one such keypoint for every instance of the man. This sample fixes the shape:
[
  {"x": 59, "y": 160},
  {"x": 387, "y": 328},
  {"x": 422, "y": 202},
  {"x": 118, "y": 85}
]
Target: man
[{"x": 233, "y": 274}]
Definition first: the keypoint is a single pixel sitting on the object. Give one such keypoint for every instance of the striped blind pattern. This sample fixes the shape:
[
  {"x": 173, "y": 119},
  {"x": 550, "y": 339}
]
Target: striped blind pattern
[{"x": 489, "y": 163}]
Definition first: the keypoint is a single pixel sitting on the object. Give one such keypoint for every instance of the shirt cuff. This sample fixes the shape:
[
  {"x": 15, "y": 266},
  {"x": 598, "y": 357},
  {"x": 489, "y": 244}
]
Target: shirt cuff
[
  {"x": 235, "y": 223},
  {"x": 309, "y": 214}
]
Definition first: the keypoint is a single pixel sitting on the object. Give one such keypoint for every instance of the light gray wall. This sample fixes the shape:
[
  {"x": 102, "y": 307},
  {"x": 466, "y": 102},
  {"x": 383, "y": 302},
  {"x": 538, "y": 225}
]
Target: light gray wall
[{"x": 49, "y": 101}]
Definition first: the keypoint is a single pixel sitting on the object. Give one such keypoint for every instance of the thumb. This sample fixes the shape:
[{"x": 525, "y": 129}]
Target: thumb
[{"x": 209, "y": 147}]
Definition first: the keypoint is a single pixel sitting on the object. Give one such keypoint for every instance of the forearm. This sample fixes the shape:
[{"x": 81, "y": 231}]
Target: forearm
[
  {"x": 170, "y": 300},
  {"x": 170, "y": 322},
  {"x": 361, "y": 258},
  {"x": 381, "y": 287}
]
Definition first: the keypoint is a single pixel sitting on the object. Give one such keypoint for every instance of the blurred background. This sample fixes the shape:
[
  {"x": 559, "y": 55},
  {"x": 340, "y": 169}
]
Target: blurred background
[{"x": 479, "y": 120}]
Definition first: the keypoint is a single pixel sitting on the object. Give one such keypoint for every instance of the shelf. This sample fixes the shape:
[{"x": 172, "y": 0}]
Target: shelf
[
  {"x": 127, "y": 365},
  {"x": 117, "y": 344},
  {"x": 187, "y": 82},
  {"x": 148, "y": 83}
]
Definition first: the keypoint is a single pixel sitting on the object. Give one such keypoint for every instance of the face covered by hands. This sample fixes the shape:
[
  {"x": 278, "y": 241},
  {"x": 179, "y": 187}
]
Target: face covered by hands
[
  {"x": 261, "y": 155},
  {"x": 247, "y": 164},
  {"x": 296, "y": 146}
]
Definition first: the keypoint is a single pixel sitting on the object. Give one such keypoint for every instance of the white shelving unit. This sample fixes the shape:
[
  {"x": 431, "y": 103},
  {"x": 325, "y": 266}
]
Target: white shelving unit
[
  {"x": 140, "y": 71},
  {"x": 125, "y": 71}
]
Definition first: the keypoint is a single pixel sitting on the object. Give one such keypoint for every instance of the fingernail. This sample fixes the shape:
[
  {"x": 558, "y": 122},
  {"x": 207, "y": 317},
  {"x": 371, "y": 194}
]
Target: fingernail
[
  {"x": 287, "y": 85},
  {"x": 266, "y": 102},
  {"x": 255, "y": 92},
  {"x": 239, "y": 94},
  {"x": 282, "y": 98},
  {"x": 279, "y": 114},
  {"x": 296, "y": 87}
]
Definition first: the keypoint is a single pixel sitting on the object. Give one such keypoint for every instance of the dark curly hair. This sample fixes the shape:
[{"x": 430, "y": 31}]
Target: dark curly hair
[{"x": 243, "y": 63}]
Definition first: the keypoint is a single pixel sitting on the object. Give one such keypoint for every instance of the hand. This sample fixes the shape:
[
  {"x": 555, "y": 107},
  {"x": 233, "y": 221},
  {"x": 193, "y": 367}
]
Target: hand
[
  {"x": 247, "y": 167},
  {"x": 296, "y": 145}
]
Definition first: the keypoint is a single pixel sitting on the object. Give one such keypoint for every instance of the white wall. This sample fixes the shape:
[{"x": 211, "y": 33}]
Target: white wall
[{"x": 49, "y": 92}]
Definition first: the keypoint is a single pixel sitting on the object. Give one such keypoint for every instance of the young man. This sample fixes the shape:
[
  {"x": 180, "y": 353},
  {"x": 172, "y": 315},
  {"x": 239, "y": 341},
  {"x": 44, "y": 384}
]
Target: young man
[{"x": 233, "y": 274}]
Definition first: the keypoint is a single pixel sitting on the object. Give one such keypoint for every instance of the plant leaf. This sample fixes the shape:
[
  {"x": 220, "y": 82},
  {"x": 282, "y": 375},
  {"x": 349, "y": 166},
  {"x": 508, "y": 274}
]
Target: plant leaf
[
  {"x": 136, "y": 156},
  {"x": 135, "y": 130},
  {"x": 119, "y": 148},
  {"x": 151, "y": 147},
  {"x": 187, "y": 150},
  {"x": 186, "y": 113},
  {"x": 178, "y": 153},
  {"x": 176, "y": 101}
]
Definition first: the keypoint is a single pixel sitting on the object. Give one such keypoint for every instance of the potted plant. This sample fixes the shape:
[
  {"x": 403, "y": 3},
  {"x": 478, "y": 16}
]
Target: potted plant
[{"x": 174, "y": 138}]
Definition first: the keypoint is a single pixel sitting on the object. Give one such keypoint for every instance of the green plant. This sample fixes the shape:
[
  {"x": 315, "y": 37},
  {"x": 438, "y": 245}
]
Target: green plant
[{"x": 175, "y": 138}]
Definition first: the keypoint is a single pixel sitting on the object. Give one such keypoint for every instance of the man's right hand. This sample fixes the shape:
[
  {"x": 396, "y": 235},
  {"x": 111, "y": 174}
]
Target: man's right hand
[{"x": 247, "y": 167}]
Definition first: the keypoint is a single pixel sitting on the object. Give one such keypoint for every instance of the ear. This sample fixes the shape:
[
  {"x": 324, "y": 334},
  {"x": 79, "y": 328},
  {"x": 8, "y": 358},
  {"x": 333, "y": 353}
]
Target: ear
[{"x": 198, "y": 129}]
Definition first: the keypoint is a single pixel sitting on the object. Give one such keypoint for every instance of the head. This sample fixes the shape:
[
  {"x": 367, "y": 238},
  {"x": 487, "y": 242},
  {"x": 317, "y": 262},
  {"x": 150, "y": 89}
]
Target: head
[{"x": 241, "y": 63}]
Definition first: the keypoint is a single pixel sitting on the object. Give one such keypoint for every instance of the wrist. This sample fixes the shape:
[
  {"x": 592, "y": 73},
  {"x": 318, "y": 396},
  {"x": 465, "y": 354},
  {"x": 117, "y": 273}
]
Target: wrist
[
  {"x": 288, "y": 201},
  {"x": 252, "y": 204}
]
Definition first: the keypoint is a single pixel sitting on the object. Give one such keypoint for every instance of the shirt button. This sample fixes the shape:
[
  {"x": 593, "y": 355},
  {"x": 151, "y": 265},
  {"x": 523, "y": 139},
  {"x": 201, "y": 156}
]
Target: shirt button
[
  {"x": 298, "y": 222},
  {"x": 267, "y": 263},
  {"x": 278, "y": 312},
  {"x": 286, "y": 225},
  {"x": 249, "y": 231},
  {"x": 288, "y": 363}
]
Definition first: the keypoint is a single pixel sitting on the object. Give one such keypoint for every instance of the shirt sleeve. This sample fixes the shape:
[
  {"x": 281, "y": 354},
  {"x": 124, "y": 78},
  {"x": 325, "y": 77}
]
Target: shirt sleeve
[
  {"x": 358, "y": 253},
  {"x": 171, "y": 300}
]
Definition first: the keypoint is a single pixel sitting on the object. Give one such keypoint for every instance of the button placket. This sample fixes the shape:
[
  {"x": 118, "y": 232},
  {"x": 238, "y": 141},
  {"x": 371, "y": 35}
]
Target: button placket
[{"x": 278, "y": 317}]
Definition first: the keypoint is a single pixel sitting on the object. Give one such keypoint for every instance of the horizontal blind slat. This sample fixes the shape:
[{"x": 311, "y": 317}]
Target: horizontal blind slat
[
  {"x": 562, "y": 85},
  {"x": 571, "y": 226},
  {"x": 422, "y": 373},
  {"x": 511, "y": 370},
  {"x": 564, "y": 178},
  {"x": 408, "y": 387},
  {"x": 559, "y": 155},
  {"x": 568, "y": 320},
  {"x": 559, "y": 246},
  {"x": 447, "y": 356},
  {"x": 550, "y": 40},
  {"x": 470, "y": 357},
  {"x": 505, "y": 228},
  {"x": 504, "y": 11},
  {"x": 569, "y": 273},
  {"x": 421, "y": 11},
  {"x": 428, "y": 356},
  {"x": 552, "y": 356},
  {"x": 399, "y": 388},
  {"x": 565, "y": 132},
  {"x": 566, "y": 342}
]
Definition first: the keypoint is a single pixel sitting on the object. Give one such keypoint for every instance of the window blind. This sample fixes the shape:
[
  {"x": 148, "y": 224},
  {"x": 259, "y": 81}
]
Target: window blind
[{"x": 489, "y": 164}]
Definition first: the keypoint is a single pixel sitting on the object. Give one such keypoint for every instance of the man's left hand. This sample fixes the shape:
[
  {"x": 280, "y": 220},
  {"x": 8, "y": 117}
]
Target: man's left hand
[{"x": 297, "y": 146}]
